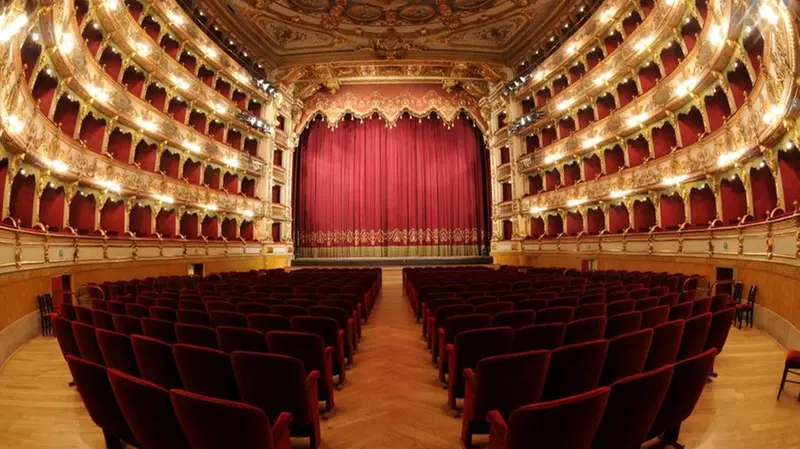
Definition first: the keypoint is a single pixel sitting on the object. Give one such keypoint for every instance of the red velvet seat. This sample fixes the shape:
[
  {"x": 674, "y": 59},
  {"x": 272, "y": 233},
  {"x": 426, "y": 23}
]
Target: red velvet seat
[
  {"x": 189, "y": 305},
  {"x": 277, "y": 384},
  {"x": 168, "y": 303},
  {"x": 512, "y": 298},
  {"x": 98, "y": 398},
  {"x": 86, "y": 339},
  {"x": 620, "y": 307},
  {"x": 156, "y": 362},
  {"x": 646, "y": 303},
  {"x": 695, "y": 333},
  {"x": 467, "y": 349},
  {"x": 103, "y": 320},
  {"x": 539, "y": 336},
  {"x": 585, "y": 329},
  {"x": 555, "y": 315},
  {"x": 148, "y": 410},
  {"x": 564, "y": 302},
  {"x": 84, "y": 315},
  {"x": 575, "y": 369},
  {"x": 701, "y": 306},
  {"x": 205, "y": 371},
  {"x": 453, "y": 326},
  {"x": 211, "y": 423},
  {"x": 665, "y": 344},
  {"x": 159, "y": 329},
  {"x": 266, "y": 322},
  {"x": 790, "y": 365},
  {"x": 502, "y": 383},
  {"x": 670, "y": 299},
  {"x": 617, "y": 296},
  {"x": 127, "y": 325},
  {"x": 719, "y": 302},
  {"x": 721, "y": 322},
  {"x": 639, "y": 293},
  {"x": 116, "y": 307},
  {"x": 62, "y": 328},
  {"x": 687, "y": 296},
  {"x": 430, "y": 309},
  {"x": 219, "y": 306},
  {"x": 436, "y": 321},
  {"x": 345, "y": 322},
  {"x": 542, "y": 425},
  {"x": 164, "y": 314},
  {"x": 631, "y": 410},
  {"x": 514, "y": 319},
  {"x": 137, "y": 310},
  {"x": 598, "y": 297},
  {"x": 590, "y": 310},
  {"x": 495, "y": 307},
  {"x": 117, "y": 351},
  {"x": 531, "y": 304},
  {"x": 196, "y": 335},
  {"x": 623, "y": 323},
  {"x": 333, "y": 337},
  {"x": 229, "y": 319},
  {"x": 288, "y": 311},
  {"x": 654, "y": 317},
  {"x": 682, "y": 311},
  {"x": 239, "y": 339},
  {"x": 688, "y": 380},
  {"x": 248, "y": 308},
  {"x": 195, "y": 317},
  {"x": 311, "y": 350},
  {"x": 626, "y": 356}
]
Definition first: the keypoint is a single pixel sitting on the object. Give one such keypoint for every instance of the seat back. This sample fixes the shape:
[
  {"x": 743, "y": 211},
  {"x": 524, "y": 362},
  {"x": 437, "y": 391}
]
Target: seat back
[
  {"x": 266, "y": 322},
  {"x": 327, "y": 328},
  {"x": 62, "y": 327},
  {"x": 542, "y": 424},
  {"x": 275, "y": 383},
  {"x": 514, "y": 319},
  {"x": 219, "y": 306},
  {"x": 443, "y": 313},
  {"x": 508, "y": 382},
  {"x": 646, "y": 303},
  {"x": 164, "y": 313},
  {"x": 695, "y": 333},
  {"x": 681, "y": 311},
  {"x": 719, "y": 302},
  {"x": 195, "y": 317},
  {"x": 156, "y": 362},
  {"x": 461, "y": 323},
  {"x": 623, "y": 323},
  {"x": 84, "y": 315},
  {"x": 148, "y": 410},
  {"x": 632, "y": 408},
  {"x": 721, "y": 323},
  {"x": 495, "y": 307},
  {"x": 474, "y": 345},
  {"x": 531, "y": 304},
  {"x": 539, "y": 336},
  {"x": 248, "y": 308},
  {"x": 701, "y": 306},
  {"x": 336, "y": 313},
  {"x": 655, "y": 317},
  {"x": 555, "y": 315},
  {"x": 103, "y": 320},
  {"x": 306, "y": 347},
  {"x": 137, "y": 310},
  {"x": 670, "y": 299},
  {"x": 117, "y": 351},
  {"x": 127, "y": 325},
  {"x": 574, "y": 369},
  {"x": 627, "y": 355},
  {"x": 211, "y": 423},
  {"x": 665, "y": 344},
  {"x": 86, "y": 338},
  {"x": 205, "y": 371},
  {"x": 159, "y": 329},
  {"x": 196, "y": 335},
  {"x": 98, "y": 398},
  {"x": 688, "y": 380},
  {"x": 585, "y": 329},
  {"x": 239, "y": 339},
  {"x": 288, "y": 311},
  {"x": 620, "y": 307},
  {"x": 229, "y": 319},
  {"x": 590, "y": 310}
]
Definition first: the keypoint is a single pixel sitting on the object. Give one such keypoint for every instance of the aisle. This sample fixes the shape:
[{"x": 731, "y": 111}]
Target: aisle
[{"x": 392, "y": 398}]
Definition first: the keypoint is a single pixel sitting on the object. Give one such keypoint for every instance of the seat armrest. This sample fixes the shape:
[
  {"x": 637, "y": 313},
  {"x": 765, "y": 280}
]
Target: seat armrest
[
  {"x": 312, "y": 378},
  {"x": 329, "y": 364},
  {"x": 497, "y": 423},
  {"x": 470, "y": 379},
  {"x": 441, "y": 332},
  {"x": 280, "y": 428}
]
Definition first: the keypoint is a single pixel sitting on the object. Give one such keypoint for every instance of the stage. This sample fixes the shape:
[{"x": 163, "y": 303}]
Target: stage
[{"x": 391, "y": 261}]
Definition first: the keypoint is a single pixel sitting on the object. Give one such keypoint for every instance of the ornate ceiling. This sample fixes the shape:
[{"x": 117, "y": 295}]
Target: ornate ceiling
[{"x": 284, "y": 33}]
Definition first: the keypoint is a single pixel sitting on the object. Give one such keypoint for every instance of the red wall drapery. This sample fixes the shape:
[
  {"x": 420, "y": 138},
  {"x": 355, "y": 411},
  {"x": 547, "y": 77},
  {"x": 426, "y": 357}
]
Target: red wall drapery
[{"x": 366, "y": 190}]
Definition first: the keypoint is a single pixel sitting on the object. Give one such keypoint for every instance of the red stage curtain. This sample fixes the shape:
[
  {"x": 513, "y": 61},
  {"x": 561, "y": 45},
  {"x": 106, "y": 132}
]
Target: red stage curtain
[{"x": 366, "y": 190}]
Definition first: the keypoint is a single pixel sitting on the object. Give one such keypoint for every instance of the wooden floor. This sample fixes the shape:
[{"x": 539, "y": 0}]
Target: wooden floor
[{"x": 392, "y": 398}]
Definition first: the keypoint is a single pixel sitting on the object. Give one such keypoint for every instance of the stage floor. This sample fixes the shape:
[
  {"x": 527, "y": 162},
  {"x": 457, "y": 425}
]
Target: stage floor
[{"x": 391, "y": 261}]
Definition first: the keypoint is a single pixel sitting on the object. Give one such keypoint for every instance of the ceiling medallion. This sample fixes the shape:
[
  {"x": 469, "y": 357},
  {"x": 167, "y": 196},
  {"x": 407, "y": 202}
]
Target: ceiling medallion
[{"x": 391, "y": 46}]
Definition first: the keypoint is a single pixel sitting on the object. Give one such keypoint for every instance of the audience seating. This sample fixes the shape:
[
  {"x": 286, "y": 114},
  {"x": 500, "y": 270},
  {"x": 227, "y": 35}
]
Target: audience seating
[
  {"x": 695, "y": 333},
  {"x": 467, "y": 349},
  {"x": 623, "y": 323},
  {"x": 665, "y": 344},
  {"x": 574, "y": 369},
  {"x": 627, "y": 355},
  {"x": 86, "y": 339},
  {"x": 205, "y": 371},
  {"x": 232, "y": 339},
  {"x": 196, "y": 335},
  {"x": 211, "y": 423},
  {"x": 539, "y": 336},
  {"x": 453, "y": 326},
  {"x": 117, "y": 351},
  {"x": 277, "y": 384},
  {"x": 311, "y": 350},
  {"x": 584, "y": 330},
  {"x": 156, "y": 362}
]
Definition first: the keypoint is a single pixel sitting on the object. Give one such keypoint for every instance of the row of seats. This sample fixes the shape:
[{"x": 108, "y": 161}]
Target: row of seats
[
  {"x": 221, "y": 383},
  {"x": 502, "y": 360}
]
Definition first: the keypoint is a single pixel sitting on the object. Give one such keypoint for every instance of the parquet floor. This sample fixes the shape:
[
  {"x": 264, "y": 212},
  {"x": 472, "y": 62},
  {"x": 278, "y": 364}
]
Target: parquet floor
[{"x": 392, "y": 398}]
